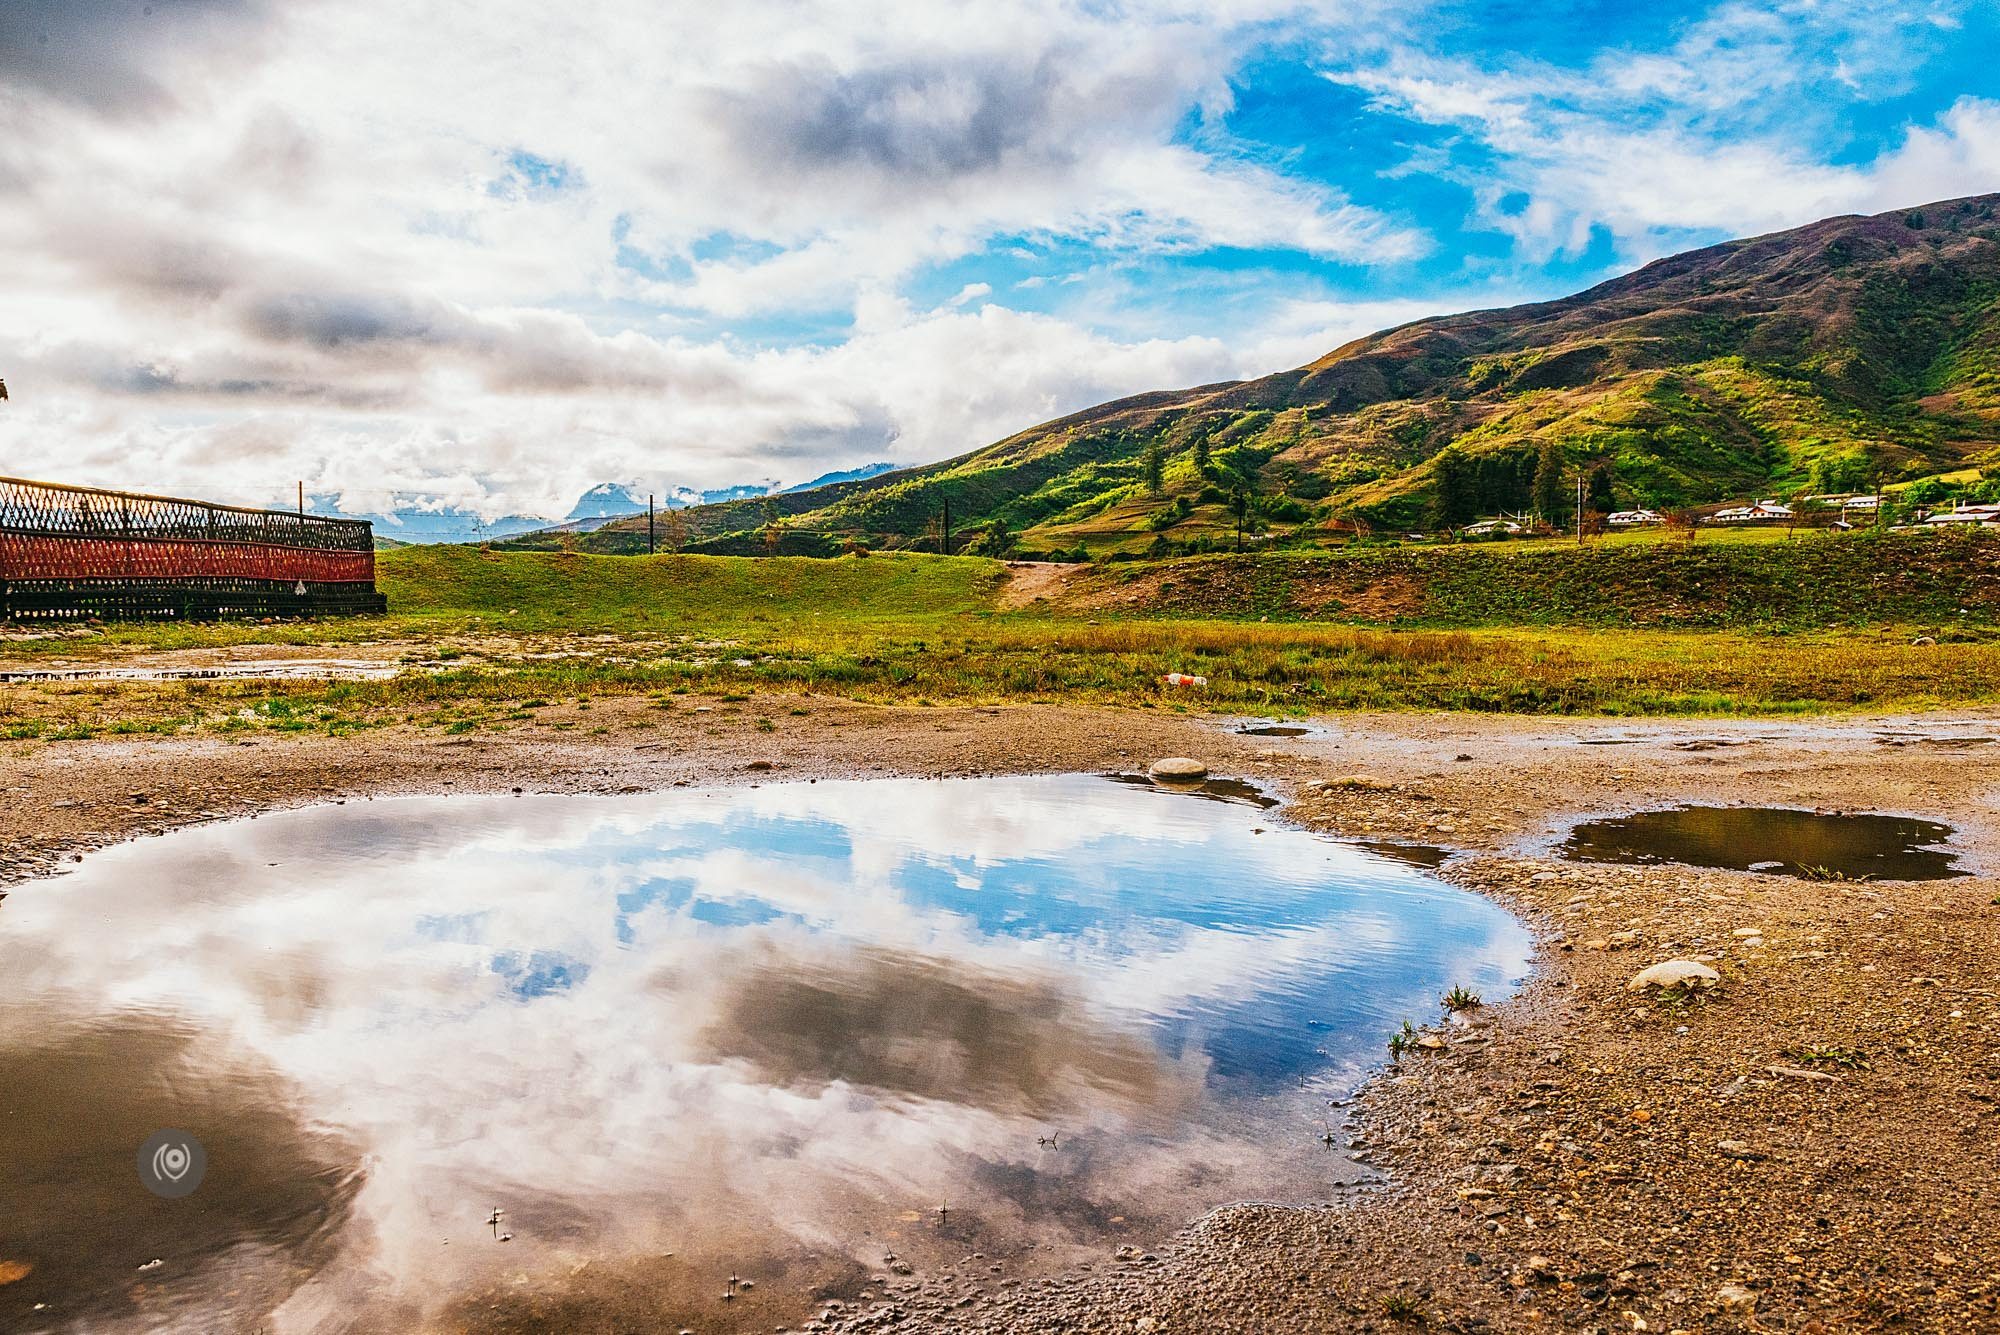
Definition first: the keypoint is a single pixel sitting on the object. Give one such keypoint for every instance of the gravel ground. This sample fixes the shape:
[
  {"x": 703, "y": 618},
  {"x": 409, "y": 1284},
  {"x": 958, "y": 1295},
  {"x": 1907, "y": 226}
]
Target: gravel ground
[{"x": 1808, "y": 1147}]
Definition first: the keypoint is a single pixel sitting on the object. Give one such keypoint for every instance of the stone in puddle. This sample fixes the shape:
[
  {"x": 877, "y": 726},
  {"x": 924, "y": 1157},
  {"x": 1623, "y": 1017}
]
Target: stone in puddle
[
  {"x": 1674, "y": 973},
  {"x": 1178, "y": 769}
]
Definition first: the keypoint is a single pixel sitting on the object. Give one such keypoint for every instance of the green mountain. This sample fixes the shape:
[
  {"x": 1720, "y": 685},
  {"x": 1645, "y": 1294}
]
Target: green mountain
[{"x": 1827, "y": 358}]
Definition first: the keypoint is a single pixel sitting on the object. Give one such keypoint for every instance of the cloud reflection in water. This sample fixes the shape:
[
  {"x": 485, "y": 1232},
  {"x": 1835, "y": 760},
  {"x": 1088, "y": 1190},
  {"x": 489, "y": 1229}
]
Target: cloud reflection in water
[{"x": 748, "y": 1022}]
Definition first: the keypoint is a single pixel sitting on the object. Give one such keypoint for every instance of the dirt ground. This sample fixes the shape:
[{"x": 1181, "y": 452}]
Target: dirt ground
[{"x": 1581, "y": 1157}]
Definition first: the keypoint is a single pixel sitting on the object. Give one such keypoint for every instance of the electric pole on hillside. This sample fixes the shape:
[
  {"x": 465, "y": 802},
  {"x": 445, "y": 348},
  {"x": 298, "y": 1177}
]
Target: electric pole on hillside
[
  {"x": 944, "y": 543},
  {"x": 651, "y": 550},
  {"x": 1579, "y": 507}
]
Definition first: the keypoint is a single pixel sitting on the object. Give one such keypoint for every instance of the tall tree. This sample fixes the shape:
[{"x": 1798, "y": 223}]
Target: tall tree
[
  {"x": 1453, "y": 495},
  {"x": 1156, "y": 467},
  {"x": 1548, "y": 490},
  {"x": 774, "y": 528},
  {"x": 1243, "y": 505},
  {"x": 1201, "y": 455},
  {"x": 1600, "y": 500}
]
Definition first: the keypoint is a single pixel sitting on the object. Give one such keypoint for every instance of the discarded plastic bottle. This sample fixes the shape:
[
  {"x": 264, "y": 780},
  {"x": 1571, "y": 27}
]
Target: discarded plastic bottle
[{"x": 1183, "y": 679}]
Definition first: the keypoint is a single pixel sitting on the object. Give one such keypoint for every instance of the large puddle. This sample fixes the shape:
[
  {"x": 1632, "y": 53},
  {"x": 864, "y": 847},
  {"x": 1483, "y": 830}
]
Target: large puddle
[
  {"x": 1773, "y": 839},
  {"x": 780, "y": 1034}
]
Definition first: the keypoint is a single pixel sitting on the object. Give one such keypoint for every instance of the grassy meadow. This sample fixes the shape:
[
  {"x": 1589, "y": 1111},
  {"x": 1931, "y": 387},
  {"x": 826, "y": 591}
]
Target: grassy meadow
[{"x": 496, "y": 640}]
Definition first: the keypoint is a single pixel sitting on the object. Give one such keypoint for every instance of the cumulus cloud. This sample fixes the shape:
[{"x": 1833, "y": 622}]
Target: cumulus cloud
[
  {"x": 115, "y": 56},
  {"x": 1721, "y": 133},
  {"x": 497, "y": 254}
]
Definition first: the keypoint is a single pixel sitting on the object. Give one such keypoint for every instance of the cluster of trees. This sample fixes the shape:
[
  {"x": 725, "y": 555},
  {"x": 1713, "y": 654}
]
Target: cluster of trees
[{"x": 1465, "y": 486}]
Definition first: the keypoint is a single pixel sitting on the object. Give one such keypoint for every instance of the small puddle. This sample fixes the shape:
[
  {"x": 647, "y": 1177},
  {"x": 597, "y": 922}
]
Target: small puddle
[
  {"x": 289, "y": 669},
  {"x": 1777, "y": 840},
  {"x": 1928, "y": 739},
  {"x": 782, "y": 1033},
  {"x": 1272, "y": 728}
]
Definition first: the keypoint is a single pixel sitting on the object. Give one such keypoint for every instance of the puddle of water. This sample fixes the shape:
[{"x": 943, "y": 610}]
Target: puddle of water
[
  {"x": 315, "y": 669},
  {"x": 1274, "y": 729},
  {"x": 767, "y": 1032},
  {"x": 1927, "y": 739},
  {"x": 1772, "y": 839}
]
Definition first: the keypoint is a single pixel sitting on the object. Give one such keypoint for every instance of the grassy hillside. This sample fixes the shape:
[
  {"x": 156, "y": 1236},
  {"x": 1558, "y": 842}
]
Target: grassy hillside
[{"x": 1827, "y": 358}]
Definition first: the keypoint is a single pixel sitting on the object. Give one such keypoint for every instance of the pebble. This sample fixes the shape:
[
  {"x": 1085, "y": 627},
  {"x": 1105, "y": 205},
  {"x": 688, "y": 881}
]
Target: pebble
[
  {"x": 1178, "y": 769},
  {"x": 1674, "y": 973}
]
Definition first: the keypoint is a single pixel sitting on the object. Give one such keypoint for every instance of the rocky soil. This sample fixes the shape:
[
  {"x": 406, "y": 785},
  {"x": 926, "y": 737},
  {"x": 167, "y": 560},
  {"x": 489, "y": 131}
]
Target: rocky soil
[{"x": 1807, "y": 1146}]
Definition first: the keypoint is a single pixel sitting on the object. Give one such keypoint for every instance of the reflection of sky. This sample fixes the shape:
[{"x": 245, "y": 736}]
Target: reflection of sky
[{"x": 828, "y": 995}]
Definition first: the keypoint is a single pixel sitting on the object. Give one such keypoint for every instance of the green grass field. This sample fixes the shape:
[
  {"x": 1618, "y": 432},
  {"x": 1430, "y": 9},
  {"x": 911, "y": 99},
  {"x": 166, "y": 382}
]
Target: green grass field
[{"x": 493, "y": 637}]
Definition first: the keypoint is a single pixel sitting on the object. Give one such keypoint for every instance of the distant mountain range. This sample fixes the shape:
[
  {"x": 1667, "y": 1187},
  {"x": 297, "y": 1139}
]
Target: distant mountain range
[
  {"x": 1831, "y": 358},
  {"x": 418, "y": 520},
  {"x": 850, "y": 475}
]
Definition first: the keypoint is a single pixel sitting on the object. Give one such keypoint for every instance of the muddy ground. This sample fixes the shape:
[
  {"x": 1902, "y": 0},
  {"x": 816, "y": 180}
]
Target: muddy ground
[{"x": 1811, "y": 1148}]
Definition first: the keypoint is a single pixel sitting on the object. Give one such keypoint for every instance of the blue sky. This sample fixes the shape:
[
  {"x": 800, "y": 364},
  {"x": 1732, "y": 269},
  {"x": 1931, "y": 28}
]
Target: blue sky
[{"x": 492, "y": 258}]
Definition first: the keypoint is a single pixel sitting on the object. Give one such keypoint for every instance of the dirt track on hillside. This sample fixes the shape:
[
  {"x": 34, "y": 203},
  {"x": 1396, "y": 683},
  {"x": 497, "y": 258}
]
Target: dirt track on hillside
[{"x": 1577, "y": 1159}]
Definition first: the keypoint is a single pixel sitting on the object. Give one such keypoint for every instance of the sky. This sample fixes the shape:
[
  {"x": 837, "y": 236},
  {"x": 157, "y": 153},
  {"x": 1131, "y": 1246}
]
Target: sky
[{"x": 491, "y": 255}]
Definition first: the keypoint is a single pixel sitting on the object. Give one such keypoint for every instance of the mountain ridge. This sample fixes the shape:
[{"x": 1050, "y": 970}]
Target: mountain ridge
[{"x": 1850, "y": 351}]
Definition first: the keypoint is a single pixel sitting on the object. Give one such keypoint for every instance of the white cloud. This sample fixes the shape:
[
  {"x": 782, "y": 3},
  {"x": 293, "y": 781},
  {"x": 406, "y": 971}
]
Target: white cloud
[
  {"x": 1715, "y": 135},
  {"x": 485, "y": 252}
]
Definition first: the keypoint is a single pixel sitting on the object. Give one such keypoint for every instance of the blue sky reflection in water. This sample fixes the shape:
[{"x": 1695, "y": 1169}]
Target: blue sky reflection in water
[{"x": 791, "y": 1019}]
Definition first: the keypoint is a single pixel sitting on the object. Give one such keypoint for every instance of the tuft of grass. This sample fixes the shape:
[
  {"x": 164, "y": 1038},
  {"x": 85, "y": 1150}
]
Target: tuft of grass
[
  {"x": 1460, "y": 998},
  {"x": 1812, "y": 872},
  {"x": 1402, "y": 1307},
  {"x": 1851, "y": 1059}
]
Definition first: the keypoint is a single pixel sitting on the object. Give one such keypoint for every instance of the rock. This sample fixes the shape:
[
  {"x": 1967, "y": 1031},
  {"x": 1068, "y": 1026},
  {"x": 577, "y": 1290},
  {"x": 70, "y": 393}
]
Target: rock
[
  {"x": 1798, "y": 1073},
  {"x": 1178, "y": 769},
  {"x": 1736, "y": 1149},
  {"x": 1674, "y": 973},
  {"x": 1736, "y": 1301}
]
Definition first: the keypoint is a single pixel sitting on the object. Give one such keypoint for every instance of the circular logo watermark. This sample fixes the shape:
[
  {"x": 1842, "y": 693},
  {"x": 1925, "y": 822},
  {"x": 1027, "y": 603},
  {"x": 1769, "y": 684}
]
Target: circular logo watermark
[{"x": 171, "y": 1163}]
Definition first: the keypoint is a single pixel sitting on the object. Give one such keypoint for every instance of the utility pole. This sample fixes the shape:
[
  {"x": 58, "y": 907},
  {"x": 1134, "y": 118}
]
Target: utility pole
[
  {"x": 1579, "y": 507},
  {"x": 302, "y": 496},
  {"x": 651, "y": 549},
  {"x": 945, "y": 543}
]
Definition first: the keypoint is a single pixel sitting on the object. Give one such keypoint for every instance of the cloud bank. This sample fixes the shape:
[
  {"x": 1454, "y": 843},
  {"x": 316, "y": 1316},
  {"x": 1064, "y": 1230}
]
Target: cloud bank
[{"x": 496, "y": 254}]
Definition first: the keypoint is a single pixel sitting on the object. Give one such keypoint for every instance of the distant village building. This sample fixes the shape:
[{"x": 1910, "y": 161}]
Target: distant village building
[
  {"x": 1986, "y": 516},
  {"x": 1634, "y": 518},
  {"x": 1761, "y": 512},
  {"x": 1486, "y": 528}
]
